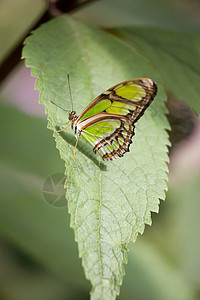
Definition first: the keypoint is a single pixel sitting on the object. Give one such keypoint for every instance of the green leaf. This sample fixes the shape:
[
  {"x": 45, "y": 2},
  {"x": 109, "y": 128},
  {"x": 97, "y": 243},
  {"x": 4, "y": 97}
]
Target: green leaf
[
  {"x": 175, "y": 56},
  {"x": 160, "y": 13},
  {"x": 16, "y": 19},
  {"x": 109, "y": 203}
]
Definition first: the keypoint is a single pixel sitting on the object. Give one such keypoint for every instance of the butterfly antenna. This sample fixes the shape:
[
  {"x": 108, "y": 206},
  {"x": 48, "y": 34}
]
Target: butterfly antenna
[
  {"x": 70, "y": 93},
  {"x": 59, "y": 106}
]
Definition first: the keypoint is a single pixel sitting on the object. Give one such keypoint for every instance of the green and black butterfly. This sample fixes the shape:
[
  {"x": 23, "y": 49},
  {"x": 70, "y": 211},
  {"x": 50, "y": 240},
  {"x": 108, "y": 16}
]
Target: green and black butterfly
[{"x": 108, "y": 122}]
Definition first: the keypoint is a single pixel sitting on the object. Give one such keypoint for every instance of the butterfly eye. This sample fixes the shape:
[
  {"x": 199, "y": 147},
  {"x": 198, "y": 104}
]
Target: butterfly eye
[{"x": 72, "y": 115}]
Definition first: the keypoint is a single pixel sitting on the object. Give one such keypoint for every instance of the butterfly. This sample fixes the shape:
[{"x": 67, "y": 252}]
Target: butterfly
[{"x": 108, "y": 122}]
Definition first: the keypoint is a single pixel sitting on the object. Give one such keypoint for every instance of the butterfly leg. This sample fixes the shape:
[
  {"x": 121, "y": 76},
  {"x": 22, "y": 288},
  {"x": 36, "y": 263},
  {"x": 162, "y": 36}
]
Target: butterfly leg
[
  {"x": 64, "y": 123},
  {"x": 63, "y": 129},
  {"x": 75, "y": 146}
]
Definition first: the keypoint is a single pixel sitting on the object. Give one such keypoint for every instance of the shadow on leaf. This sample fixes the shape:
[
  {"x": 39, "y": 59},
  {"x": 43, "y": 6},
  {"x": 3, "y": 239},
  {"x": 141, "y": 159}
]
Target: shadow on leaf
[{"x": 82, "y": 147}]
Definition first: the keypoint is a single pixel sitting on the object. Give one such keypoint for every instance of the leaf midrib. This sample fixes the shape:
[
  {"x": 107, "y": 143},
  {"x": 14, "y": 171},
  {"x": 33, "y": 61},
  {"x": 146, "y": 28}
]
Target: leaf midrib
[{"x": 84, "y": 54}]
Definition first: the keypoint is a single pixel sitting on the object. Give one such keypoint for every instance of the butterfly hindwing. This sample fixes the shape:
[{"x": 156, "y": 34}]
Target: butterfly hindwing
[
  {"x": 108, "y": 121},
  {"x": 117, "y": 143},
  {"x": 109, "y": 135}
]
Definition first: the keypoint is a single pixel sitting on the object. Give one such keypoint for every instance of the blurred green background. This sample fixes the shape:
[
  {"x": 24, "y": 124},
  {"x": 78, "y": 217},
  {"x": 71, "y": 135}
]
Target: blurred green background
[{"x": 38, "y": 254}]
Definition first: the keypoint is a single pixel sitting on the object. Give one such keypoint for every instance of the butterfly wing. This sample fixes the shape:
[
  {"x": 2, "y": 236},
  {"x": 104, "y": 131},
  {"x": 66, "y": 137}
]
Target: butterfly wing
[{"x": 107, "y": 123}]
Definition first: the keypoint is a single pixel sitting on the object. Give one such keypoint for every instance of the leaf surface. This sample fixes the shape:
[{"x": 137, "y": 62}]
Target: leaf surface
[{"x": 109, "y": 203}]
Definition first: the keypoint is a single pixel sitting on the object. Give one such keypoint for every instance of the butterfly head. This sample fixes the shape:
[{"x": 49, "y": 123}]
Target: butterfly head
[{"x": 72, "y": 116}]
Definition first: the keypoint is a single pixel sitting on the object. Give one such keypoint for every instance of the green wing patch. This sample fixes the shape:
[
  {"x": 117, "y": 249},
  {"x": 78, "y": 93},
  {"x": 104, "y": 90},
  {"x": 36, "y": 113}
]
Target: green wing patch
[{"x": 107, "y": 124}]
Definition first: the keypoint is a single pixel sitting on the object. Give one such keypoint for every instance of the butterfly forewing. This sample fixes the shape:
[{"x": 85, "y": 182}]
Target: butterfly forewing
[{"x": 108, "y": 121}]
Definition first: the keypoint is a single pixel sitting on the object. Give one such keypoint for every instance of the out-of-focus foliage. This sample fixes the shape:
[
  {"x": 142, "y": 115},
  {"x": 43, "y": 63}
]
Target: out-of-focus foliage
[
  {"x": 174, "y": 14},
  {"x": 16, "y": 19},
  {"x": 27, "y": 156},
  {"x": 174, "y": 55}
]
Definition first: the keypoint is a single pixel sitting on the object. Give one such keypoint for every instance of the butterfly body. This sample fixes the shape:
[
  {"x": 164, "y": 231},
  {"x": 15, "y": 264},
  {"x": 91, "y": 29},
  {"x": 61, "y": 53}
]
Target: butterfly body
[{"x": 108, "y": 122}]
